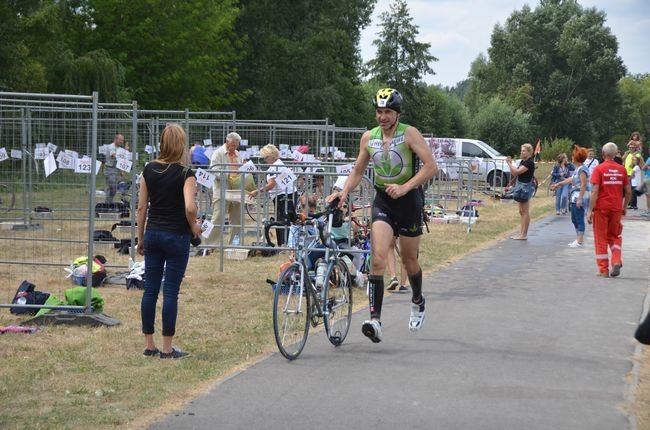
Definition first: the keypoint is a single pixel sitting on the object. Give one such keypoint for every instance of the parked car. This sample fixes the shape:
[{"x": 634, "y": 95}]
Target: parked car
[{"x": 488, "y": 166}]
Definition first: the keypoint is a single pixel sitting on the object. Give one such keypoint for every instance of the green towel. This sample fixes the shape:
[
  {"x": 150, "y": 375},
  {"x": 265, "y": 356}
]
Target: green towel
[{"x": 75, "y": 296}]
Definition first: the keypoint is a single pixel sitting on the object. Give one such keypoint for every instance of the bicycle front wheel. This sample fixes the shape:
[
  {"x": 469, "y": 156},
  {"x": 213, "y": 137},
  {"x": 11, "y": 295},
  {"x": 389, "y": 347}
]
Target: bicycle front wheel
[
  {"x": 291, "y": 307},
  {"x": 338, "y": 304}
]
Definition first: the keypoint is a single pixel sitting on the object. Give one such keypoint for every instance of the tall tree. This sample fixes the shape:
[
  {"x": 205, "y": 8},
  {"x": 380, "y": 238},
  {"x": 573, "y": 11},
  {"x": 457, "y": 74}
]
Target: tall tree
[
  {"x": 175, "y": 54},
  {"x": 303, "y": 60},
  {"x": 401, "y": 61},
  {"x": 558, "y": 63},
  {"x": 635, "y": 115}
]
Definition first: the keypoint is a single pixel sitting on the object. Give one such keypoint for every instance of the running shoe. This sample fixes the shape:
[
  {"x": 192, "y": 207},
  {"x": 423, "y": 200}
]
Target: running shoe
[
  {"x": 372, "y": 330},
  {"x": 416, "y": 321},
  {"x": 616, "y": 270},
  {"x": 392, "y": 286},
  {"x": 575, "y": 244},
  {"x": 403, "y": 289},
  {"x": 174, "y": 355}
]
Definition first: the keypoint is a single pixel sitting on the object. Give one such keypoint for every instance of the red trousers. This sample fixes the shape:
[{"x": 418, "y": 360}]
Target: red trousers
[{"x": 607, "y": 237}]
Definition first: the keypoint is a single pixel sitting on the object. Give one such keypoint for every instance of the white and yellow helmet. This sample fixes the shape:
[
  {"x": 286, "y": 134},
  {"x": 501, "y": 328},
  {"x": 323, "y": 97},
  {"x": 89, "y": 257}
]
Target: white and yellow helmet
[{"x": 388, "y": 98}]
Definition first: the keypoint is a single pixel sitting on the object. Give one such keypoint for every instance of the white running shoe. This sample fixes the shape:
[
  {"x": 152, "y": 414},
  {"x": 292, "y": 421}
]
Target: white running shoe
[
  {"x": 416, "y": 321},
  {"x": 372, "y": 330},
  {"x": 575, "y": 244}
]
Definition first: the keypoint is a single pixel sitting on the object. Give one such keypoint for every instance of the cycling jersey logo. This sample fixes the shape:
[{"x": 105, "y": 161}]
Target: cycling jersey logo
[{"x": 387, "y": 164}]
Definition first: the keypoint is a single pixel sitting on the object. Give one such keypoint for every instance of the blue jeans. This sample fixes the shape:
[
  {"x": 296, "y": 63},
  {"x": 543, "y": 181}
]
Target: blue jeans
[
  {"x": 165, "y": 253},
  {"x": 561, "y": 197},
  {"x": 578, "y": 218}
]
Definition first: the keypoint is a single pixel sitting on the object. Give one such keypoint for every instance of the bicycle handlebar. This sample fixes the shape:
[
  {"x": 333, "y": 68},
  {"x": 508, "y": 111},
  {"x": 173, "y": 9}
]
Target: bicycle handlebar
[{"x": 332, "y": 209}]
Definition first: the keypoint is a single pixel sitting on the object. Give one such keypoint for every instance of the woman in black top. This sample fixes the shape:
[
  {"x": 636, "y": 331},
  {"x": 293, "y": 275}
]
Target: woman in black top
[
  {"x": 524, "y": 174},
  {"x": 166, "y": 204}
]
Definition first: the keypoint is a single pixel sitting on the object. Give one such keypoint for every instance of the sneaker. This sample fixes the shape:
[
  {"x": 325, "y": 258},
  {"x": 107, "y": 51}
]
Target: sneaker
[
  {"x": 603, "y": 274},
  {"x": 392, "y": 286},
  {"x": 616, "y": 270},
  {"x": 416, "y": 321},
  {"x": 175, "y": 354},
  {"x": 151, "y": 352},
  {"x": 575, "y": 244},
  {"x": 372, "y": 330},
  {"x": 402, "y": 289}
]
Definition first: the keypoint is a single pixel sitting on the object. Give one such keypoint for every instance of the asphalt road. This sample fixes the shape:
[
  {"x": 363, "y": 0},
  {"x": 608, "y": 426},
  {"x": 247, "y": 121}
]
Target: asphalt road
[{"x": 522, "y": 335}]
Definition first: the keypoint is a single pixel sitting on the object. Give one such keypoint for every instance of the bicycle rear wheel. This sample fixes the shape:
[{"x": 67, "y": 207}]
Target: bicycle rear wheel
[
  {"x": 291, "y": 308},
  {"x": 338, "y": 305}
]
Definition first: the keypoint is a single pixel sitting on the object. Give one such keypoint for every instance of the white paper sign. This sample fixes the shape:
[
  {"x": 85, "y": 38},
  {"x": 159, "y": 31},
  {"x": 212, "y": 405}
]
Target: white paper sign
[
  {"x": 340, "y": 182},
  {"x": 286, "y": 178},
  {"x": 41, "y": 152},
  {"x": 66, "y": 161},
  {"x": 83, "y": 165},
  {"x": 50, "y": 164},
  {"x": 248, "y": 166},
  {"x": 209, "y": 151},
  {"x": 339, "y": 155},
  {"x": 148, "y": 149},
  {"x": 75, "y": 154},
  {"x": 244, "y": 142},
  {"x": 3, "y": 154},
  {"x": 16, "y": 153},
  {"x": 207, "y": 142},
  {"x": 285, "y": 153},
  {"x": 344, "y": 169},
  {"x": 104, "y": 149},
  {"x": 283, "y": 146},
  {"x": 52, "y": 147},
  {"x": 297, "y": 155},
  {"x": 206, "y": 228},
  {"x": 123, "y": 154},
  {"x": 124, "y": 165},
  {"x": 205, "y": 178}
]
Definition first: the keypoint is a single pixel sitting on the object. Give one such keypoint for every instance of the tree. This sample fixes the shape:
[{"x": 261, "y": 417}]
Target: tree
[
  {"x": 635, "y": 115},
  {"x": 501, "y": 126},
  {"x": 559, "y": 64},
  {"x": 175, "y": 54},
  {"x": 400, "y": 61},
  {"x": 302, "y": 59}
]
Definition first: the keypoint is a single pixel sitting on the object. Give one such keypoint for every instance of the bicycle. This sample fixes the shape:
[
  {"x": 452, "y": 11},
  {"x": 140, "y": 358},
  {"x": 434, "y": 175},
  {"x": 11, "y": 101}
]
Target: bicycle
[{"x": 299, "y": 300}]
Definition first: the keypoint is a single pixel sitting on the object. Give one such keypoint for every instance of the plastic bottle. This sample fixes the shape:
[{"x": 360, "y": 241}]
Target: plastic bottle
[
  {"x": 320, "y": 274},
  {"x": 235, "y": 240}
]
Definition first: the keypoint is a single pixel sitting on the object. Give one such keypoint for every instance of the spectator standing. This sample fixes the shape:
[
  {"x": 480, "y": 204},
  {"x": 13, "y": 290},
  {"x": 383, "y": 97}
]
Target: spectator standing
[
  {"x": 610, "y": 194},
  {"x": 110, "y": 167},
  {"x": 646, "y": 183},
  {"x": 166, "y": 221},
  {"x": 561, "y": 171},
  {"x": 579, "y": 198},
  {"x": 591, "y": 162},
  {"x": 524, "y": 174},
  {"x": 283, "y": 194},
  {"x": 226, "y": 161},
  {"x": 634, "y": 151},
  {"x": 197, "y": 154}
]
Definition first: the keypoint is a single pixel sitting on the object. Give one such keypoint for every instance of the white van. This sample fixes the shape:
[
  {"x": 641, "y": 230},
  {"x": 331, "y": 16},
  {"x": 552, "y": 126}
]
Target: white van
[{"x": 488, "y": 166}]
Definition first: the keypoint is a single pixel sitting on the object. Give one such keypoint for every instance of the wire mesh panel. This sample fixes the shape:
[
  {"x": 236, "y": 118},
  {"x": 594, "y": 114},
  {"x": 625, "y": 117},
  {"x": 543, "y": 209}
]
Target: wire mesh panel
[{"x": 49, "y": 140}]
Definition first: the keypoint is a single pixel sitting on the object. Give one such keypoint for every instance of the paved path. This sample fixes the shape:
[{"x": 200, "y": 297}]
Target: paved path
[{"x": 522, "y": 335}]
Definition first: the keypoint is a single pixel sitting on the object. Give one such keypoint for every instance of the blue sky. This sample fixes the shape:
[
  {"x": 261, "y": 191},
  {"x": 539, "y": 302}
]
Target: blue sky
[{"x": 458, "y": 30}]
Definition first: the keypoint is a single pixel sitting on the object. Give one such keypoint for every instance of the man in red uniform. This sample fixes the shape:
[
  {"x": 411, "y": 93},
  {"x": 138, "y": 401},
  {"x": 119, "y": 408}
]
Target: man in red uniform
[{"x": 606, "y": 206}]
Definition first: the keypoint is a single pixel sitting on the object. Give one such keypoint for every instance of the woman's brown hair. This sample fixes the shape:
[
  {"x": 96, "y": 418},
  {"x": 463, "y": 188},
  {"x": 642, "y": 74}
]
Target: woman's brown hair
[{"x": 172, "y": 145}]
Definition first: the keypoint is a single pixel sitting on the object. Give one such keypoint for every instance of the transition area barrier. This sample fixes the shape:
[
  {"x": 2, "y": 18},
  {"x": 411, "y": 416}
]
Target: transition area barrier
[{"x": 52, "y": 182}]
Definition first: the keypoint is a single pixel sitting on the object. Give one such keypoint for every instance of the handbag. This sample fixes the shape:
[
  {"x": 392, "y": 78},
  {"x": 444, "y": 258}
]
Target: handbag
[{"x": 520, "y": 193}]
